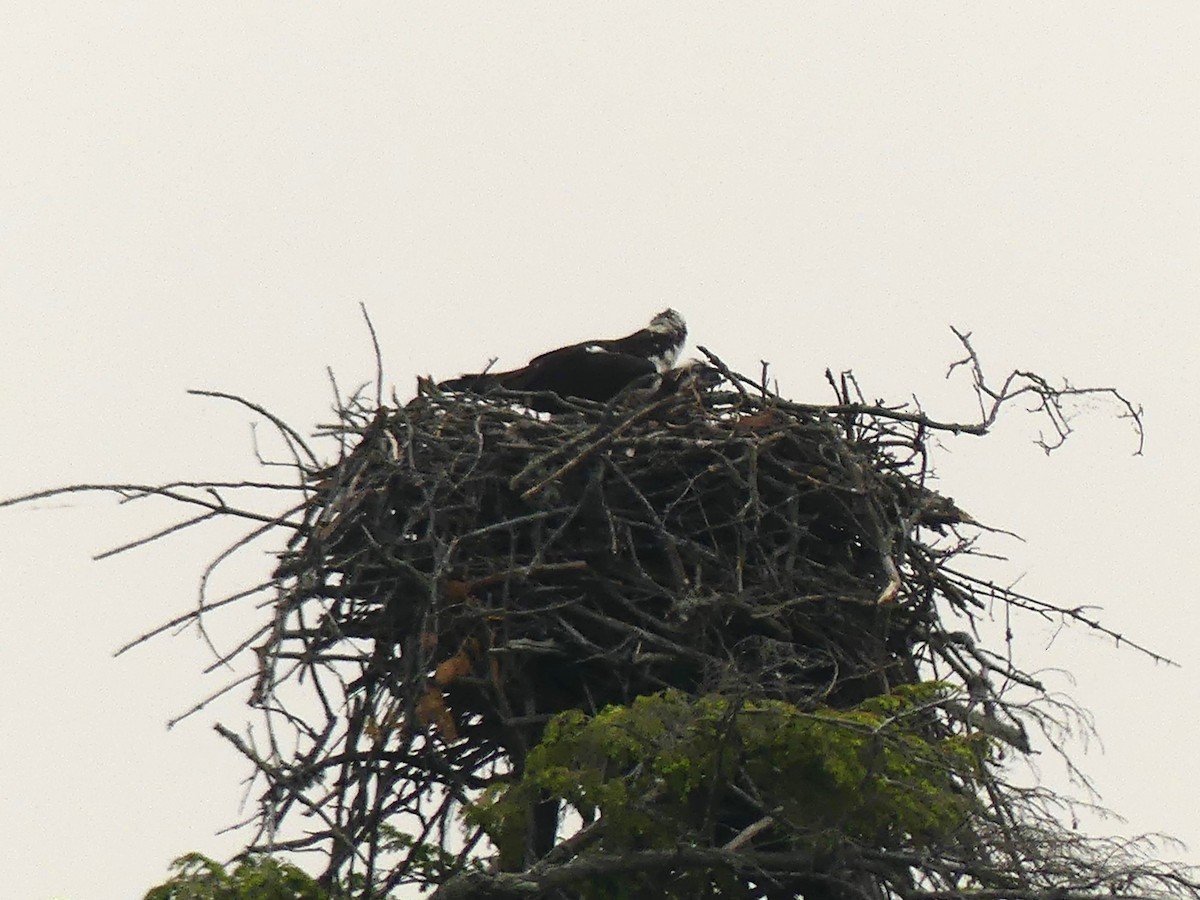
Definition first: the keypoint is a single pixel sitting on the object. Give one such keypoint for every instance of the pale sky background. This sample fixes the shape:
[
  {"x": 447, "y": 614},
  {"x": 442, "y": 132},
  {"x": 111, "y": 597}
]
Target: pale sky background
[{"x": 200, "y": 195}]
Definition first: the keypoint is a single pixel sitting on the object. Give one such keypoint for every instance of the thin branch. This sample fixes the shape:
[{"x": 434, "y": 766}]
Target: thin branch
[
  {"x": 378, "y": 355},
  {"x": 290, "y": 433}
]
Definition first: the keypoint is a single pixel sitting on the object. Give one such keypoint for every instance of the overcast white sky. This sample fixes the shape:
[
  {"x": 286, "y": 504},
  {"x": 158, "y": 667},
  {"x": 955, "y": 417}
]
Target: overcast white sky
[{"x": 200, "y": 195}]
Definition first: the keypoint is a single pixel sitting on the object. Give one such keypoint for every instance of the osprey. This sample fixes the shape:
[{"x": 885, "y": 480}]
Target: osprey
[{"x": 590, "y": 370}]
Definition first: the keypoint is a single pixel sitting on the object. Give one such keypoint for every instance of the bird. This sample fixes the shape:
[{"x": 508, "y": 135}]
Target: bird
[
  {"x": 596, "y": 370},
  {"x": 690, "y": 375}
]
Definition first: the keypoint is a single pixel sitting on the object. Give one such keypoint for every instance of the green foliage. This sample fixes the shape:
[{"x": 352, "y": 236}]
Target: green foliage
[
  {"x": 879, "y": 773},
  {"x": 198, "y": 877},
  {"x": 659, "y": 773}
]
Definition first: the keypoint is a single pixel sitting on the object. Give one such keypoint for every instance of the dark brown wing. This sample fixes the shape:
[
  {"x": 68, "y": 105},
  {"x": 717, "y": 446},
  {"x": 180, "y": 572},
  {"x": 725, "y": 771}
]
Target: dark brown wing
[
  {"x": 662, "y": 340},
  {"x": 577, "y": 372}
]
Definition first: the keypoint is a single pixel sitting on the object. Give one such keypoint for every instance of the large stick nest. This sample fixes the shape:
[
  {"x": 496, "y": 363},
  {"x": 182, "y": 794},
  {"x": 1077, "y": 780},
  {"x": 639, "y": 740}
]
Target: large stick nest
[
  {"x": 529, "y": 565},
  {"x": 467, "y": 569}
]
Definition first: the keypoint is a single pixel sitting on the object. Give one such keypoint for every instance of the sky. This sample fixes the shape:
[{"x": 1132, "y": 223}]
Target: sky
[{"x": 202, "y": 195}]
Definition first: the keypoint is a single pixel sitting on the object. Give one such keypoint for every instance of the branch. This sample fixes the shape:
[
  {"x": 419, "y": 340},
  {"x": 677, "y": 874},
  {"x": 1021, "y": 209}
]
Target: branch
[
  {"x": 286, "y": 430},
  {"x": 1049, "y": 398}
]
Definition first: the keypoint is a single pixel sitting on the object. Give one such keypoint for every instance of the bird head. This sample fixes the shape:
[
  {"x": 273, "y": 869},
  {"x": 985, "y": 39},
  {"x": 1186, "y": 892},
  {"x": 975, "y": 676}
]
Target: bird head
[
  {"x": 699, "y": 374},
  {"x": 669, "y": 322},
  {"x": 671, "y": 332}
]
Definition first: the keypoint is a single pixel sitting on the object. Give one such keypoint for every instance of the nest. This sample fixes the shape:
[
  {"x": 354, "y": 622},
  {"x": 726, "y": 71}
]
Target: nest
[
  {"x": 531, "y": 565},
  {"x": 470, "y": 569}
]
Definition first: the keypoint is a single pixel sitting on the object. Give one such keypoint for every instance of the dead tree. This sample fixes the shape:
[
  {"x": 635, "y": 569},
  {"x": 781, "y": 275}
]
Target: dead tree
[{"x": 717, "y": 643}]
